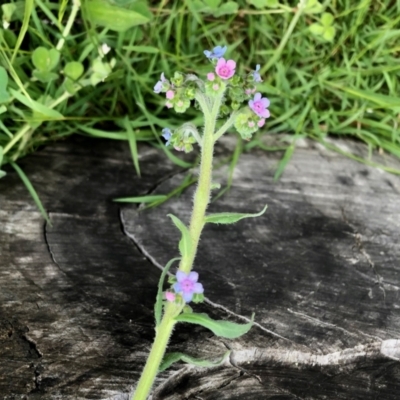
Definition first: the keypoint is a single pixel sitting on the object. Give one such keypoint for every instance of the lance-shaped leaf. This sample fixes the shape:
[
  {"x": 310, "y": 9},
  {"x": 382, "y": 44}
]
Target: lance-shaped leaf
[
  {"x": 47, "y": 112},
  {"x": 225, "y": 329},
  {"x": 185, "y": 244},
  {"x": 159, "y": 298},
  {"x": 171, "y": 358},
  {"x": 230, "y": 218}
]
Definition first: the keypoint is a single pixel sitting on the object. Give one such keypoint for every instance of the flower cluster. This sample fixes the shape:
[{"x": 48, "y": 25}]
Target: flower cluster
[
  {"x": 187, "y": 287},
  {"x": 183, "y": 138},
  {"x": 221, "y": 81}
]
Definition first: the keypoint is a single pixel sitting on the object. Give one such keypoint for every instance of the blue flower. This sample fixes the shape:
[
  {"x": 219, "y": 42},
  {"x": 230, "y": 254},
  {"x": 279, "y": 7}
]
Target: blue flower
[
  {"x": 217, "y": 52},
  {"x": 187, "y": 285},
  {"x": 256, "y": 74},
  {"x": 159, "y": 85},
  {"x": 167, "y": 134}
]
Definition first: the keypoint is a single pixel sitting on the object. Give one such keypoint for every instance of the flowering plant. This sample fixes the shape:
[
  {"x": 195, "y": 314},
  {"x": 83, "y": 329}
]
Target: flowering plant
[{"x": 222, "y": 94}]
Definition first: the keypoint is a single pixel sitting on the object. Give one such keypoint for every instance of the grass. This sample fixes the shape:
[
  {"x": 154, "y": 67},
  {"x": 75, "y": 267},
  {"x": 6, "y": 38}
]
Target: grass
[{"x": 344, "y": 87}]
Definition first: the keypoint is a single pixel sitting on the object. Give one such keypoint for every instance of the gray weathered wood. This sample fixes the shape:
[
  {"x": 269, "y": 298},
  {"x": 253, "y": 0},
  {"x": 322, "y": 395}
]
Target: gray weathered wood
[{"x": 320, "y": 269}]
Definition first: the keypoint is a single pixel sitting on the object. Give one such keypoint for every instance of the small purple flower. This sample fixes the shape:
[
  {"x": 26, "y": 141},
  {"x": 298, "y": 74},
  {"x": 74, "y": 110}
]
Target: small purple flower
[
  {"x": 187, "y": 285},
  {"x": 259, "y": 105},
  {"x": 225, "y": 69},
  {"x": 256, "y": 74},
  {"x": 158, "y": 86},
  {"x": 217, "y": 52},
  {"x": 167, "y": 134}
]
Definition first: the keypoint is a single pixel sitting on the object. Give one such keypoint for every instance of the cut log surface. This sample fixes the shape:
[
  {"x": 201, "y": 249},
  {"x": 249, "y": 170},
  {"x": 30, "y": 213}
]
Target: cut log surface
[{"x": 320, "y": 269}]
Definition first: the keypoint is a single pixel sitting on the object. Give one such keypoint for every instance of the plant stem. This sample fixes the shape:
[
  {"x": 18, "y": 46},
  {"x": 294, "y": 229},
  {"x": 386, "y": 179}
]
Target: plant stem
[
  {"x": 203, "y": 190},
  {"x": 163, "y": 333},
  {"x": 75, "y": 8}
]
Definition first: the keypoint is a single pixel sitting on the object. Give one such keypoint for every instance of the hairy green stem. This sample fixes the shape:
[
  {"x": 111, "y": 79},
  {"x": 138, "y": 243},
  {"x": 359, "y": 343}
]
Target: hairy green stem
[
  {"x": 200, "y": 203},
  {"x": 225, "y": 126},
  {"x": 163, "y": 334},
  {"x": 203, "y": 190}
]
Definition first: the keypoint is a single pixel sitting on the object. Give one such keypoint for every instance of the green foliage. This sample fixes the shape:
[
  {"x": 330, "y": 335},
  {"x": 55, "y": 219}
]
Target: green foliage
[
  {"x": 221, "y": 328},
  {"x": 171, "y": 358},
  {"x": 346, "y": 69},
  {"x": 230, "y": 218},
  {"x": 215, "y": 8},
  {"x": 324, "y": 28},
  {"x": 185, "y": 244},
  {"x": 115, "y": 17}
]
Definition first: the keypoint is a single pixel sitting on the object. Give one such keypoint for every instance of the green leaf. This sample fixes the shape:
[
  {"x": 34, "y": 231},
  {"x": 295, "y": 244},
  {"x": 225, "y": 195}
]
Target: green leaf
[
  {"x": 143, "y": 49},
  {"x": 260, "y": 4},
  {"x": 381, "y": 100},
  {"x": 28, "y": 8},
  {"x": 44, "y": 76},
  {"x": 45, "y": 60},
  {"x": 4, "y": 96},
  {"x": 101, "y": 12},
  {"x": 31, "y": 190},
  {"x": 171, "y": 358},
  {"x": 69, "y": 86},
  {"x": 230, "y": 218},
  {"x": 132, "y": 145},
  {"x": 327, "y": 19},
  {"x": 8, "y": 11},
  {"x": 1, "y": 156},
  {"x": 73, "y": 70},
  {"x": 2, "y": 174},
  {"x": 329, "y": 33},
  {"x": 316, "y": 29},
  {"x": 313, "y": 7},
  {"x": 141, "y": 199},
  {"x": 230, "y": 7},
  {"x": 3, "y": 109},
  {"x": 159, "y": 298},
  {"x": 226, "y": 329},
  {"x": 36, "y": 106},
  {"x": 185, "y": 244},
  {"x": 282, "y": 163},
  {"x": 212, "y": 3}
]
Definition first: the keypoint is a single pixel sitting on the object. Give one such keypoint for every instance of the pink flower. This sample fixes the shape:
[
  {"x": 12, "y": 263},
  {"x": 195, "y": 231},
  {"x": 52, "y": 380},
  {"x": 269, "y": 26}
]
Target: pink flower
[
  {"x": 170, "y": 94},
  {"x": 261, "y": 122},
  {"x": 225, "y": 69},
  {"x": 210, "y": 76},
  {"x": 170, "y": 296},
  {"x": 259, "y": 105}
]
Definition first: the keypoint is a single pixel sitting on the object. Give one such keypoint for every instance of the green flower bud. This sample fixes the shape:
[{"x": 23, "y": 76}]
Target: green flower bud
[
  {"x": 181, "y": 105},
  {"x": 177, "y": 80}
]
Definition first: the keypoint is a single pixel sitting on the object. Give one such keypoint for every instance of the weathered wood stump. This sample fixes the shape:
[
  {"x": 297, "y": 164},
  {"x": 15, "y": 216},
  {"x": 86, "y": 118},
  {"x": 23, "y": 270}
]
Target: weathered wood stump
[{"x": 320, "y": 269}]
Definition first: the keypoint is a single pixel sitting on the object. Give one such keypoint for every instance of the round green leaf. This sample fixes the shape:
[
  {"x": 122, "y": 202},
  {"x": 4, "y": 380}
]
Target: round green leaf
[
  {"x": 329, "y": 33},
  {"x": 316, "y": 29},
  {"x": 54, "y": 58},
  {"x": 44, "y": 76},
  {"x": 326, "y": 19},
  {"x": 45, "y": 60},
  {"x": 41, "y": 58},
  {"x": 73, "y": 70}
]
